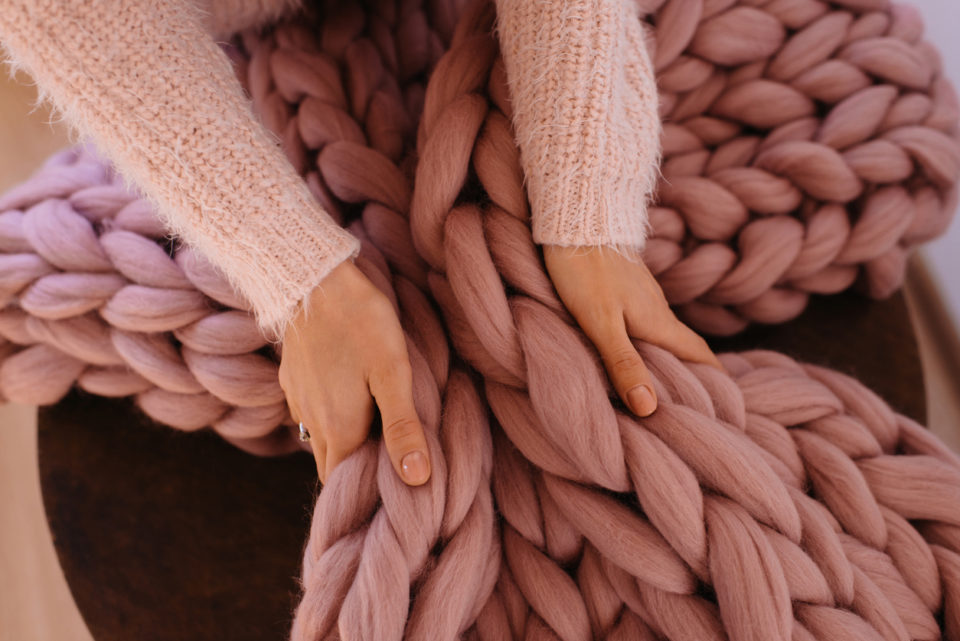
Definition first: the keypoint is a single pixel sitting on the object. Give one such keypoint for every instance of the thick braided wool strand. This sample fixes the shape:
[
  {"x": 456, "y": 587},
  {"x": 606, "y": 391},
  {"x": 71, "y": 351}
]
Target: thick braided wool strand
[{"x": 95, "y": 293}]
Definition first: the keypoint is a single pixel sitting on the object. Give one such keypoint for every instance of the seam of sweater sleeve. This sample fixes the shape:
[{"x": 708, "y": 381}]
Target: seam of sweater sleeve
[{"x": 160, "y": 100}]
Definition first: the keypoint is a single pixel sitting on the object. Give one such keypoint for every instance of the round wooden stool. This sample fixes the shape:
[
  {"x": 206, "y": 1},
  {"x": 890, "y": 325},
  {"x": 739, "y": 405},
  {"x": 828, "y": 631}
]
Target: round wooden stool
[{"x": 168, "y": 535}]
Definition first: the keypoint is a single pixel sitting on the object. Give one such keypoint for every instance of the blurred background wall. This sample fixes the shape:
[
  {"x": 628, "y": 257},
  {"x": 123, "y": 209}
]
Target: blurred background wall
[{"x": 942, "y": 18}]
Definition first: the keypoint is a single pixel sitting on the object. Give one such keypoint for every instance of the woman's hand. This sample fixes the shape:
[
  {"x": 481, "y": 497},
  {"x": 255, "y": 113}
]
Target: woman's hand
[
  {"x": 614, "y": 298},
  {"x": 341, "y": 352}
]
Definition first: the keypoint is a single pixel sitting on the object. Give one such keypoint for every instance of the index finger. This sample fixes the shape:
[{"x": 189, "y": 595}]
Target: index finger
[{"x": 392, "y": 388}]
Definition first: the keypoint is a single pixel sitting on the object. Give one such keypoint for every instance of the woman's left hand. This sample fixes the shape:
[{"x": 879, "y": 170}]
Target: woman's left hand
[{"x": 614, "y": 299}]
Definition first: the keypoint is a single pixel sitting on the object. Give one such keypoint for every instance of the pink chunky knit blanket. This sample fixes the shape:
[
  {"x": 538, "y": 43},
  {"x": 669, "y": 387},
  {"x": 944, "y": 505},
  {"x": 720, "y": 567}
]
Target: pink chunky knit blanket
[{"x": 780, "y": 500}]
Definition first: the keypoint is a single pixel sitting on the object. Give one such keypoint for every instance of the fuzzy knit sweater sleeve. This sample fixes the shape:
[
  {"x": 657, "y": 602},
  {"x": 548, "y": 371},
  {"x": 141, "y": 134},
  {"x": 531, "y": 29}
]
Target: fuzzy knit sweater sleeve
[
  {"x": 147, "y": 83},
  {"x": 585, "y": 114}
]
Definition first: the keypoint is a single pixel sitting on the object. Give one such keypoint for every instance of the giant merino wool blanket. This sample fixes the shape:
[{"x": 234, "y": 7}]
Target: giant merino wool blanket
[{"x": 779, "y": 500}]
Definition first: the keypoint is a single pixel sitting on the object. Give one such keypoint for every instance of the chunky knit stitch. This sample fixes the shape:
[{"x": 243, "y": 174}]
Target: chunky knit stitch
[{"x": 147, "y": 83}]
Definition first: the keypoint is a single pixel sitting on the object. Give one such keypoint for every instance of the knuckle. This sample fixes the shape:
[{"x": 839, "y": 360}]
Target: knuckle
[
  {"x": 380, "y": 310},
  {"x": 601, "y": 332},
  {"x": 624, "y": 360},
  {"x": 392, "y": 369},
  {"x": 605, "y": 315},
  {"x": 402, "y": 429},
  {"x": 399, "y": 364},
  {"x": 609, "y": 308}
]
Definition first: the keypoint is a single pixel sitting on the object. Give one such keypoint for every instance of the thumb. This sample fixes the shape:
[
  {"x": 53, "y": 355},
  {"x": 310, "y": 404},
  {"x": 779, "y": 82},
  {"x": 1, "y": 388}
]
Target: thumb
[{"x": 392, "y": 388}]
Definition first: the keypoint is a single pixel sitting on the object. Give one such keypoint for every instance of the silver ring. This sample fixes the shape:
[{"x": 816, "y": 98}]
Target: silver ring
[{"x": 304, "y": 434}]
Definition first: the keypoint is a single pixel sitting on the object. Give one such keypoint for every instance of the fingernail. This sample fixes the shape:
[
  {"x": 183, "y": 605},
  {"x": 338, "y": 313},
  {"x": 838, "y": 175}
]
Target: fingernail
[
  {"x": 414, "y": 467},
  {"x": 641, "y": 400}
]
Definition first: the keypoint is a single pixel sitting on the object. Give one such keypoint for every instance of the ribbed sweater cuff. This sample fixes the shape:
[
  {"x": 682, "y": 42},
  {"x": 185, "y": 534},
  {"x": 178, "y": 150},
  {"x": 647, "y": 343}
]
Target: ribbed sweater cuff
[{"x": 283, "y": 259}]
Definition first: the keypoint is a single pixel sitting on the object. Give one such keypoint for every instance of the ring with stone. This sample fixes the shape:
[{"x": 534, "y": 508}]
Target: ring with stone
[{"x": 304, "y": 434}]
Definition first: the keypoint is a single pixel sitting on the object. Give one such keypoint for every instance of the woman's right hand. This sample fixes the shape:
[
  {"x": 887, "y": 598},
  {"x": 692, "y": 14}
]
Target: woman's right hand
[{"x": 343, "y": 352}]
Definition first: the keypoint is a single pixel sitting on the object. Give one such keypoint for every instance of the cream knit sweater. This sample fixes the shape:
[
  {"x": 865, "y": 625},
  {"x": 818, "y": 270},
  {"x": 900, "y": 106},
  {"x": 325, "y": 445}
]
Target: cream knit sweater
[{"x": 147, "y": 82}]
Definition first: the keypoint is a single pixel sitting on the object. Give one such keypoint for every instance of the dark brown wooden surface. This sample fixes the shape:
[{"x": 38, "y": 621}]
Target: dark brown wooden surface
[
  {"x": 164, "y": 535},
  {"x": 873, "y": 341}
]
